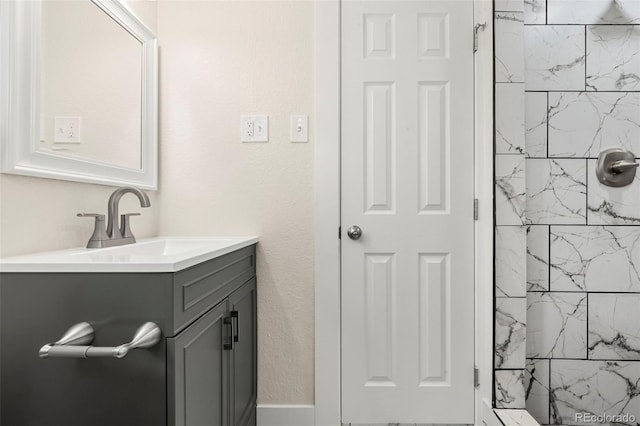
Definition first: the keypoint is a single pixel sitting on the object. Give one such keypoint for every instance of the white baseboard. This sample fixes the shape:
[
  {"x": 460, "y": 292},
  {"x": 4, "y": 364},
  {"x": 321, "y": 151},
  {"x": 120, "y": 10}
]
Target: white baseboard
[{"x": 285, "y": 415}]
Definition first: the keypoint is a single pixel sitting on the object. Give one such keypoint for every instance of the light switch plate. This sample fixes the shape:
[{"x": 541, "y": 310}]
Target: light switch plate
[
  {"x": 299, "y": 128},
  {"x": 254, "y": 128}
]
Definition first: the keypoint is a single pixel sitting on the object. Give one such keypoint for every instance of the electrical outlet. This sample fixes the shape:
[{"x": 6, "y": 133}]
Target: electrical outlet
[
  {"x": 67, "y": 129},
  {"x": 254, "y": 128}
]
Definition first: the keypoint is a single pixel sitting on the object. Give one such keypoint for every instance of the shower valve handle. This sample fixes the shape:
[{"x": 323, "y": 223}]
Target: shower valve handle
[
  {"x": 622, "y": 166},
  {"x": 616, "y": 167}
]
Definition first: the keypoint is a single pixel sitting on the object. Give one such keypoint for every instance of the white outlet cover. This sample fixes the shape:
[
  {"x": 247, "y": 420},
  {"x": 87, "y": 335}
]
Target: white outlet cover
[
  {"x": 254, "y": 128},
  {"x": 67, "y": 129}
]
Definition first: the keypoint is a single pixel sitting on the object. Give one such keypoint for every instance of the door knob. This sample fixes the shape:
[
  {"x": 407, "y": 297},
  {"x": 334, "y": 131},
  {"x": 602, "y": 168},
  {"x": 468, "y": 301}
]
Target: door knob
[{"x": 354, "y": 232}]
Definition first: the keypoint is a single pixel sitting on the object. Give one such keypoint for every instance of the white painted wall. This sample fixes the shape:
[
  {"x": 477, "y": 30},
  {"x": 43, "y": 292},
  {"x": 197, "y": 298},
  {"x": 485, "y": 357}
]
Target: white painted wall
[
  {"x": 146, "y": 11},
  {"x": 40, "y": 214},
  {"x": 219, "y": 60}
]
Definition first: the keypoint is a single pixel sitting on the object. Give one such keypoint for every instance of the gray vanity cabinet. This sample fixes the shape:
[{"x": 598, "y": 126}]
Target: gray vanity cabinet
[
  {"x": 212, "y": 374},
  {"x": 244, "y": 355},
  {"x": 202, "y": 372},
  {"x": 199, "y": 372}
]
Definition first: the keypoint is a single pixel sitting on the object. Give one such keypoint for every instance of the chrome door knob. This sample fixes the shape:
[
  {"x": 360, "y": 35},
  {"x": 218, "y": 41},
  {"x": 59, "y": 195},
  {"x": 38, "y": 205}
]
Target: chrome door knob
[{"x": 354, "y": 232}]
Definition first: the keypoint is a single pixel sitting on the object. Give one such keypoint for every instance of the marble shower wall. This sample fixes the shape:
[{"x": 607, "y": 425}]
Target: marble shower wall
[
  {"x": 582, "y": 95},
  {"x": 510, "y": 198},
  {"x": 567, "y": 327}
]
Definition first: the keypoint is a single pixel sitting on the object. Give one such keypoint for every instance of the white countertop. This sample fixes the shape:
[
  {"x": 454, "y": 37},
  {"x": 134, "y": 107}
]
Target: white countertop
[{"x": 159, "y": 254}]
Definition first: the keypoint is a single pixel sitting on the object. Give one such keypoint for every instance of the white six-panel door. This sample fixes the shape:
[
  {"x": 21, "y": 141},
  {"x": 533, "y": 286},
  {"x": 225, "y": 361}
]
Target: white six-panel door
[{"x": 407, "y": 181}]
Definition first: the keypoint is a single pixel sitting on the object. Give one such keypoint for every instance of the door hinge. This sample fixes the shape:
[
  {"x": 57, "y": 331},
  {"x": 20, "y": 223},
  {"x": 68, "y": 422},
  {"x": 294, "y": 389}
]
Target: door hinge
[
  {"x": 475, "y": 209},
  {"x": 477, "y": 28},
  {"x": 476, "y": 377},
  {"x": 339, "y": 232}
]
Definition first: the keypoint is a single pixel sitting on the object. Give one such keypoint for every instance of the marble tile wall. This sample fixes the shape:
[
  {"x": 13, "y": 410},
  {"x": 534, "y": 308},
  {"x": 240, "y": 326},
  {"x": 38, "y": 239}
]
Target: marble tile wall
[
  {"x": 582, "y": 95},
  {"x": 515, "y": 417},
  {"x": 510, "y": 189}
]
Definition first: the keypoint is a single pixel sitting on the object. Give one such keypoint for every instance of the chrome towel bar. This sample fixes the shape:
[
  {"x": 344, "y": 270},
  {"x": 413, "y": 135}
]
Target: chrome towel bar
[{"x": 72, "y": 343}]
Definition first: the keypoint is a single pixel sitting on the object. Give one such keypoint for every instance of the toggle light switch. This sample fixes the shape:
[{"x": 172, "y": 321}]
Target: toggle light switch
[{"x": 299, "y": 131}]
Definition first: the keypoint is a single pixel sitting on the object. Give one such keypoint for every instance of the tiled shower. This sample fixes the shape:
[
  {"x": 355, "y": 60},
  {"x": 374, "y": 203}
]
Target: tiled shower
[{"x": 567, "y": 77}]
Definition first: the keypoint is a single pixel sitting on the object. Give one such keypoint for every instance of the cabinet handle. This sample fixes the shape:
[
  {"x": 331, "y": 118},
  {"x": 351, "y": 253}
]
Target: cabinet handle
[
  {"x": 234, "y": 316},
  {"x": 71, "y": 345},
  {"x": 229, "y": 346}
]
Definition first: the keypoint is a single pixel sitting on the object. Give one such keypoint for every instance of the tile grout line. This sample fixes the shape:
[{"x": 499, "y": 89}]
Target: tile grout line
[
  {"x": 547, "y": 123},
  {"x": 549, "y": 257},
  {"x": 586, "y": 193},
  {"x": 585, "y": 58},
  {"x": 549, "y": 395},
  {"x": 587, "y": 330}
]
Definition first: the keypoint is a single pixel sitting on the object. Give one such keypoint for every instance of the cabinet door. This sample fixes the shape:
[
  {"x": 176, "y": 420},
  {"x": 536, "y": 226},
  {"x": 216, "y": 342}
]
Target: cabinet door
[
  {"x": 244, "y": 355},
  {"x": 198, "y": 369}
]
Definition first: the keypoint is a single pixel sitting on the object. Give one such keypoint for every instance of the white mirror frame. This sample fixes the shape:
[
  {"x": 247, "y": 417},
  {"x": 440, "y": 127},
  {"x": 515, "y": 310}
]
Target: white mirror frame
[{"x": 20, "y": 109}]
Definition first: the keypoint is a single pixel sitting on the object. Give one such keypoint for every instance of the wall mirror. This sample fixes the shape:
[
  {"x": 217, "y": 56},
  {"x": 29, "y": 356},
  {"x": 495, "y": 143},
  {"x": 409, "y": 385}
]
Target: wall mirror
[{"x": 78, "y": 92}]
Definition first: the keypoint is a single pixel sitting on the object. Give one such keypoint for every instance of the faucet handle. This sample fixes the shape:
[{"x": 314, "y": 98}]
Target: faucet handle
[
  {"x": 125, "y": 229},
  {"x": 96, "y": 215},
  {"x": 99, "y": 235}
]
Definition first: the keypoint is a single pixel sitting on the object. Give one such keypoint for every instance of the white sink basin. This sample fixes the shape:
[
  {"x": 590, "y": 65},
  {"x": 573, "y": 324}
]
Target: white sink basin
[
  {"x": 157, "y": 248},
  {"x": 160, "y": 254}
]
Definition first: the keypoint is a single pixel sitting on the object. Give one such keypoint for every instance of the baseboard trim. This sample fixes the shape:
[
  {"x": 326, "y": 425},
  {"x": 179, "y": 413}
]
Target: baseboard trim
[{"x": 285, "y": 415}]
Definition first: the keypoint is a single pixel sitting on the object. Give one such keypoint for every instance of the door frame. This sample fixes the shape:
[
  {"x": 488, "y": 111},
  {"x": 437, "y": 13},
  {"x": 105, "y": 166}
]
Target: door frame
[{"x": 327, "y": 210}]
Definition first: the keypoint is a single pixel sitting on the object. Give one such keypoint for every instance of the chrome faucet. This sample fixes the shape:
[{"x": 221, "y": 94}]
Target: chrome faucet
[{"x": 115, "y": 235}]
